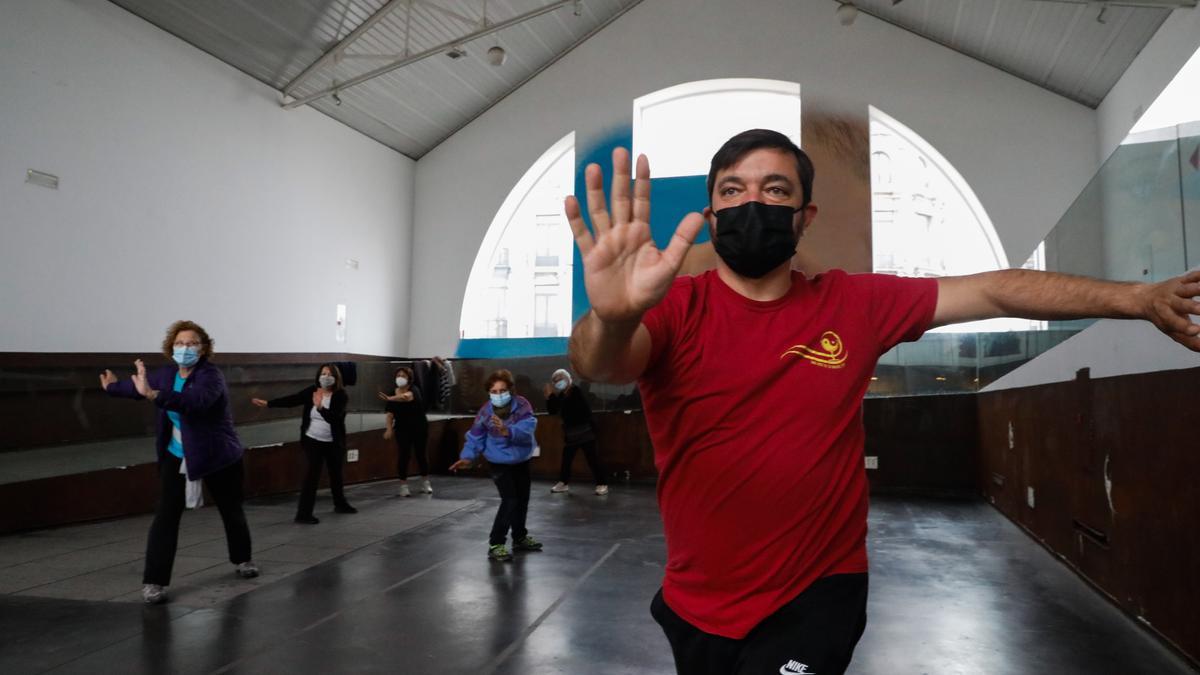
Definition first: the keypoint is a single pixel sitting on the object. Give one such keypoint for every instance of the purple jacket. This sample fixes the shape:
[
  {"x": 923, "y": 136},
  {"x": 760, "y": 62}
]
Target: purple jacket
[
  {"x": 209, "y": 441},
  {"x": 515, "y": 448}
]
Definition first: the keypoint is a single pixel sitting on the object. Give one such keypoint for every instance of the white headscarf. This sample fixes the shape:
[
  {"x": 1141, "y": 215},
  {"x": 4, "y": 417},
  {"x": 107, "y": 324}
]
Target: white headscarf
[{"x": 563, "y": 373}]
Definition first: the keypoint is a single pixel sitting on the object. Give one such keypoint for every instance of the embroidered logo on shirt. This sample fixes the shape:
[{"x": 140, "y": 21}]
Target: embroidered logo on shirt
[
  {"x": 795, "y": 667},
  {"x": 831, "y": 354}
]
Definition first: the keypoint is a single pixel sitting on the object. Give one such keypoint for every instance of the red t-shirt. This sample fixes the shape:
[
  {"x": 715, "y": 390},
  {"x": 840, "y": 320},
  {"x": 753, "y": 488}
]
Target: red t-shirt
[{"x": 755, "y": 412}]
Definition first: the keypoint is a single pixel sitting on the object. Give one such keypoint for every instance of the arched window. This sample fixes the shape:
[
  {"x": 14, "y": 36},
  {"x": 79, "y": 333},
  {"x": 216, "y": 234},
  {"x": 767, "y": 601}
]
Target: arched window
[
  {"x": 520, "y": 283},
  {"x": 680, "y": 128},
  {"x": 926, "y": 220}
]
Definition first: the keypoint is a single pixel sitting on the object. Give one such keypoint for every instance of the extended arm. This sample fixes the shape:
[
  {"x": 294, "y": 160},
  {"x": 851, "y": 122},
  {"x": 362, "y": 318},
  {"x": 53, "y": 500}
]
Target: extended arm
[{"x": 1046, "y": 295}]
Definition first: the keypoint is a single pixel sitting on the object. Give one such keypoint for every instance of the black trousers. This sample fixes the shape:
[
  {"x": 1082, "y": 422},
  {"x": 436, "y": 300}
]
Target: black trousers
[
  {"x": 225, "y": 487},
  {"x": 512, "y": 480},
  {"x": 815, "y": 633},
  {"x": 593, "y": 461},
  {"x": 318, "y": 453},
  {"x": 411, "y": 441}
]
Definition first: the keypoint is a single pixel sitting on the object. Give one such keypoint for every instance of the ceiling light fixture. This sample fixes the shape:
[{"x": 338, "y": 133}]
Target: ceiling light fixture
[
  {"x": 497, "y": 56},
  {"x": 847, "y": 13}
]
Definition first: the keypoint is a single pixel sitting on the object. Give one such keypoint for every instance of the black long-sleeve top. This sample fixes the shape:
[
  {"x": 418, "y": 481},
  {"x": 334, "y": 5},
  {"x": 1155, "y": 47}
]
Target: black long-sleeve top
[
  {"x": 572, "y": 406},
  {"x": 335, "y": 414},
  {"x": 408, "y": 415}
]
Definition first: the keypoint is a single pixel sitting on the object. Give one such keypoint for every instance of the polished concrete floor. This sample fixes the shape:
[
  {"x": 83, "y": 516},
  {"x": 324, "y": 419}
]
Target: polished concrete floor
[{"x": 404, "y": 587}]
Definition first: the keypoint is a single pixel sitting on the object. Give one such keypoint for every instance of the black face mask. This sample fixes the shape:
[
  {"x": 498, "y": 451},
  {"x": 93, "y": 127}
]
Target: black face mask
[{"x": 755, "y": 238}]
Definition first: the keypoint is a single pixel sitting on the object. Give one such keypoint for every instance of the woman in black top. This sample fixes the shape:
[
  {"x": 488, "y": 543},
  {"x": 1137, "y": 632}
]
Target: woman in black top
[
  {"x": 407, "y": 424},
  {"x": 322, "y": 435},
  {"x": 565, "y": 399}
]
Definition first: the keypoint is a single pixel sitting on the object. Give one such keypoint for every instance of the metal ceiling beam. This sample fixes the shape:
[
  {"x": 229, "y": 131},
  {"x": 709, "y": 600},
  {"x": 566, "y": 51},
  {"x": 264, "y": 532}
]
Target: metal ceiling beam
[
  {"x": 433, "y": 51},
  {"x": 345, "y": 42},
  {"x": 1149, "y": 4}
]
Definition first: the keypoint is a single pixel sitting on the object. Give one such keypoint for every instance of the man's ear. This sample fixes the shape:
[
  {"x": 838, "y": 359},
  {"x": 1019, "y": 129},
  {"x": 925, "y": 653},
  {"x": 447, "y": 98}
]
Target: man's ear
[
  {"x": 711, "y": 218},
  {"x": 808, "y": 214}
]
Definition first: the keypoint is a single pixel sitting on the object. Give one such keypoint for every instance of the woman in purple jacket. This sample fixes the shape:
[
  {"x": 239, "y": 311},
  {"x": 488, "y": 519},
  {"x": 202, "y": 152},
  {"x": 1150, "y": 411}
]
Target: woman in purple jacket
[
  {"x": 503, "y": 435},
  {"x": 196, "y": 441}
]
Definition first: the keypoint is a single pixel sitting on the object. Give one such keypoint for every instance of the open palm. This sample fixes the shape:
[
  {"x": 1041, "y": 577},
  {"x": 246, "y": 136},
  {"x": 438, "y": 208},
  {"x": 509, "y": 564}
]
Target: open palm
[{"x": 624, "y": 272}]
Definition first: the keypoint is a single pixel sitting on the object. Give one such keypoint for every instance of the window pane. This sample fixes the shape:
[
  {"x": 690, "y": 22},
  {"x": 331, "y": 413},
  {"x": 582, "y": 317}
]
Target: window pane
[{"x": 527, "y": 246}]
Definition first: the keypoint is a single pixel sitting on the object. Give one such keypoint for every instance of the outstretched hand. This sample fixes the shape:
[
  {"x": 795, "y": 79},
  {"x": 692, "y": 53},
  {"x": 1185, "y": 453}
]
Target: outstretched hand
[
  {"x": 461, "y": 464},
  {"x": 1168, "y": 305},
  {"x": 139, "y": 379},
  {"x": 624, "y": 273},
  {"x": 107, "y": 378}
]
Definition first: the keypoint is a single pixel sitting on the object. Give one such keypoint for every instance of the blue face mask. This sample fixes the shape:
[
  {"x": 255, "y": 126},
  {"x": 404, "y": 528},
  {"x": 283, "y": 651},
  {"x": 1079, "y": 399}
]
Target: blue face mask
[
  {"x": 186, "y": 356},
  {"x": 562, "y": 385},
  {"x": 500, "y": 400}
]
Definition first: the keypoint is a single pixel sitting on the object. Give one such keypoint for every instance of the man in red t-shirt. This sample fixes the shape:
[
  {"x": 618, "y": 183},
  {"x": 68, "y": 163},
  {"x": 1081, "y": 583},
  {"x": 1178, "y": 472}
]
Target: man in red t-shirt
[{"x": 752, "y": 377}]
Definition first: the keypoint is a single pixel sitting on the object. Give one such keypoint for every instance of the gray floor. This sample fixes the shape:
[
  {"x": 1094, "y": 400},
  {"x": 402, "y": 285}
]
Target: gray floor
[{"x": 404, "y": 587}]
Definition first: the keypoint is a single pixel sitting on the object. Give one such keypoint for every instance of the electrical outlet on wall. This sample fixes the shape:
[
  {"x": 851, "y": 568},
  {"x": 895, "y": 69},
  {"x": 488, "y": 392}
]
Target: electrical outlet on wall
[
  {"x": 1029, "y": 497},
  {"x": 872, "y": 462},
  {"x": 351, "y": 455}
]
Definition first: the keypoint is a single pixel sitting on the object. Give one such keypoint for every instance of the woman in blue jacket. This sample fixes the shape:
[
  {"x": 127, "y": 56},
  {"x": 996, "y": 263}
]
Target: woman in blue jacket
[
  {"x": 196, "y": 441},
  {"x": 503, "y": 434}
]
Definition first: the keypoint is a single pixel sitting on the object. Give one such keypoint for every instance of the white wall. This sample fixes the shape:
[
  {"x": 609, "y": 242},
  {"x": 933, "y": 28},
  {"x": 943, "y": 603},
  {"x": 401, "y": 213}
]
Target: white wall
[
  {"x": 1172, "y": 45},
  {"x": 186, "y": 192},
  {"x": 1026, "y": 152}
]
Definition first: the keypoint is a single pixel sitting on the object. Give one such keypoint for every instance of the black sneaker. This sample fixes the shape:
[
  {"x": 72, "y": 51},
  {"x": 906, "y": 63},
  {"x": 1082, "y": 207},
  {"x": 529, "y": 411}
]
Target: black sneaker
[
  {"x": 527, "y": 543},
  {"x": 307, "y": 520},
  {"x": 499, "y": 552},
  {"x": 345, "y": 508}
]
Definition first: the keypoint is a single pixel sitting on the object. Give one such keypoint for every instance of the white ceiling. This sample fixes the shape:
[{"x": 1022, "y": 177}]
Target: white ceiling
[{"x": 1057, "y": 45}]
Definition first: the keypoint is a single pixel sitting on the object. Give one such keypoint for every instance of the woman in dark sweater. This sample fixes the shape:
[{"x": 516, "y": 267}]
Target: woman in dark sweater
[
  {"x": 195, "y": 441},
  {"x": 565, "y": 399},
  {"x": 322, "y": 435},
  {"x": 406, "y": 423}
]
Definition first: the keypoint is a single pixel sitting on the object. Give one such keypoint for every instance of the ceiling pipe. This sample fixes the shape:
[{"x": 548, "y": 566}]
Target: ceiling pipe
[{"x": 433, "y": 51}]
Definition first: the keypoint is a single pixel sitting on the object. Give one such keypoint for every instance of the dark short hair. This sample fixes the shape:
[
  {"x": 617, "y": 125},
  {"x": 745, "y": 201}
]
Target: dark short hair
[
  {"x": 337, "y": 375},
  {"x": 173, "y": 331},
  {"x": 501, "y": 375},
  {"x": 408, "y": 373},
  {"x": 756, "y": 139}
]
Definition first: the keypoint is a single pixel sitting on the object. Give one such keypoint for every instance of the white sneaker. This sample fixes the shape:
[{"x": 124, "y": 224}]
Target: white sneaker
[
  {"x": 601, "y": 490},
  {"x": 246, "y": 570},
  {"x": 404, "y": 491},
  {"x": 560, "y": 487},
  {"x": 153, "y": 594},
  {"x": 426, "y": 487}
]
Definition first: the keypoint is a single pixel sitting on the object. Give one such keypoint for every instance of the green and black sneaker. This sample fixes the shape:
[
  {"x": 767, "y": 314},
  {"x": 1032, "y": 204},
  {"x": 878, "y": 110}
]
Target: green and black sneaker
[
  {"x": 527, "y": 543},
  {"x": 499, "y": 552}
]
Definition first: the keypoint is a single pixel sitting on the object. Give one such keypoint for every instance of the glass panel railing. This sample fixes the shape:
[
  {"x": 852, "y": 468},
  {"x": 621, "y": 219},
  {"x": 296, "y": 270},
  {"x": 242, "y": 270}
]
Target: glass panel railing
[
  {"x": 1138, "y": 219},
  {"x": 1188, "y": 138}
]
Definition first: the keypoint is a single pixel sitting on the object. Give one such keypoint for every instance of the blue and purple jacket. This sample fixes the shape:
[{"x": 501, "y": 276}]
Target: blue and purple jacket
[{"x": 515, "y": 448}]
